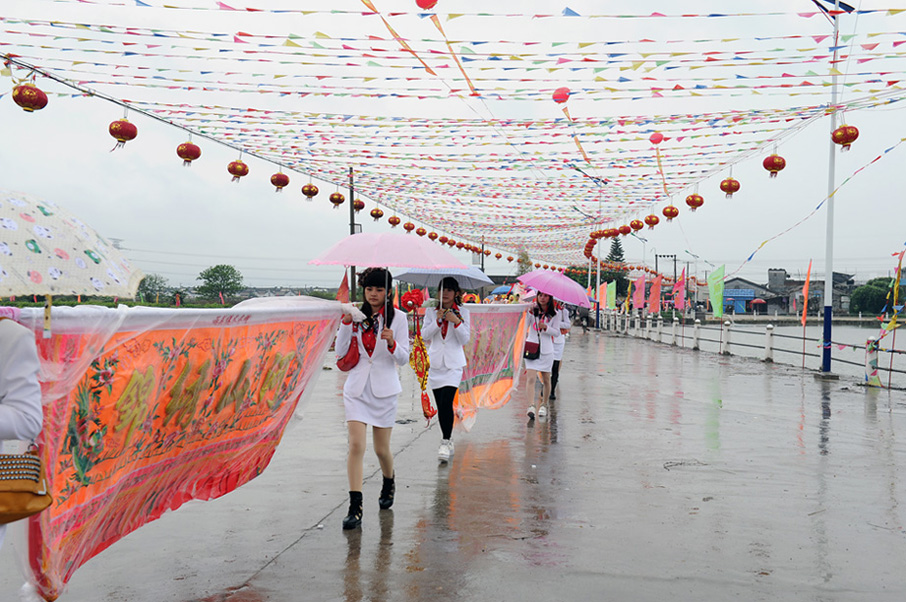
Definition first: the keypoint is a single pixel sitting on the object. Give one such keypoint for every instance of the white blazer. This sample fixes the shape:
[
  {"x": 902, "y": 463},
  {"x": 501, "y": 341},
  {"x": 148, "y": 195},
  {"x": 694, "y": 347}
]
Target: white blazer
[
  {"x": 21, "y": 414},
  {"x": 546, "y": 336},
  {"x": 565, "y": 324},
  {"x": 381, "y": 367},
  {"x": 446, "y": 352}
]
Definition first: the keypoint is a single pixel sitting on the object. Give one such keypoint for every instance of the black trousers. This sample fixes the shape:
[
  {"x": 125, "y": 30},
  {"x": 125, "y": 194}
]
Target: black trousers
[
  {"x": 555, "y": 375},
  {"x": 443, "y": 397}
]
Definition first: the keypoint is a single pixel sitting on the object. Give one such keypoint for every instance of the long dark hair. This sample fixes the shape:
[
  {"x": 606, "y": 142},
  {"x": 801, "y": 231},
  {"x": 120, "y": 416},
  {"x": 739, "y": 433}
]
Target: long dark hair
[
  {"x": 450, "y": 283},
  {"x": 551, "y": 310},
  {"x": 380, "y": 278}
]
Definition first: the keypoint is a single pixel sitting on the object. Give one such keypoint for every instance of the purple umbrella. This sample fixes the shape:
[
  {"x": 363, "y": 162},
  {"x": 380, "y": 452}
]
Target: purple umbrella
[{"x": 556, "y": 285}]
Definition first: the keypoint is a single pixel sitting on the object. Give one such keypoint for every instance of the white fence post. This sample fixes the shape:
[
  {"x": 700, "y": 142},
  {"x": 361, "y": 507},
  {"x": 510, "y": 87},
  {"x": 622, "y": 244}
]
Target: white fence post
[
  {"x": 648, "y": 326},
  {"x": 673, "y": 334},
  {"x": 725, "y": 339},
  {"x": 696, "y": 333},
  {"x": 769, "y": 343},
  {"x": 660, "y": 327}
]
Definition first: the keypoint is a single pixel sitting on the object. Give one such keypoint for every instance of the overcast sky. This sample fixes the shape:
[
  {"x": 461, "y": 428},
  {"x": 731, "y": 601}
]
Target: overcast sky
[{"x": 177, "y": 221}]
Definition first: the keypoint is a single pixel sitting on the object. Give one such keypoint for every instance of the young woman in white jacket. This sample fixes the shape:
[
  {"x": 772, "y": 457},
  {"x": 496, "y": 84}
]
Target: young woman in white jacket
[
  {"x": 559, "y": 346},
  {"x": 372, "y": 386},
  {"x": 446, "y": 330},
  {"x": 21, "y": 414},
  {"x": 543, "y": 324}
]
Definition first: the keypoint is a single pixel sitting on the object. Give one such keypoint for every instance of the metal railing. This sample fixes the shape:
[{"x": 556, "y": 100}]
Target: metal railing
[{"x": 875, "y": 366}]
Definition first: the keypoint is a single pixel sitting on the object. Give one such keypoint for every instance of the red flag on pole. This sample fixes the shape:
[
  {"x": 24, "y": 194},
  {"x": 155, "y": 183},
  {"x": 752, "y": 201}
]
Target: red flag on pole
[
  {"x": 808, "y": 276},
  {"x": 343, "y": 291}
]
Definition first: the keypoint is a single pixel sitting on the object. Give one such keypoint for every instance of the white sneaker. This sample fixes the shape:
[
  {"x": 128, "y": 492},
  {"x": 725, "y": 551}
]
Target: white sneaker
[
  {"x": 445, "y": 451},
  {"x": 542, "y": 411},
  {"x": 531, "y": 412}
]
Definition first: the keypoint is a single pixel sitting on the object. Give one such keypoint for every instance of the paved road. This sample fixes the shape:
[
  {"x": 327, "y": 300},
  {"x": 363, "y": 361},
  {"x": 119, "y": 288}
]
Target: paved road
[{"x": 659, "y": 474}]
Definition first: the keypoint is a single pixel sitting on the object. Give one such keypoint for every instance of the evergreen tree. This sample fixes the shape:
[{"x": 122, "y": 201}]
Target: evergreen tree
[{"x": 616, "y": 257}]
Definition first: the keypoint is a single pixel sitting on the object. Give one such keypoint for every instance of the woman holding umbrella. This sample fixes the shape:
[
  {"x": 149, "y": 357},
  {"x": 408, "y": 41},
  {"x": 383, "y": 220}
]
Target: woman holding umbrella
[
  {"x": 372, "y": 385},
  {"x": 446, "y": 330},
  {"x": 559, "y": 346},
  {"x": 544, "y": 324}
]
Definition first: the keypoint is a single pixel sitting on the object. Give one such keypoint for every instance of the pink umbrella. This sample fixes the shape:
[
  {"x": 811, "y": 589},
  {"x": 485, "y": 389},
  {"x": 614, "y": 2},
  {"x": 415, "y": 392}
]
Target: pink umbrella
[
  {"x": 556, "y": 285},
  {"x": 387, "y": 249}
]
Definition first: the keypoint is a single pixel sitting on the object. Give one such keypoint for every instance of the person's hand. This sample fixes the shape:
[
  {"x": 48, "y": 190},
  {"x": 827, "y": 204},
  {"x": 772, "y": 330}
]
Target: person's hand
[
  {"x": 451, "y": 317},
  {"x": 564, "y": 331},
  {"x": 387, "y": 335},
  {"x": 542, "y": 326},
  {"x": 351, "y": 312}
]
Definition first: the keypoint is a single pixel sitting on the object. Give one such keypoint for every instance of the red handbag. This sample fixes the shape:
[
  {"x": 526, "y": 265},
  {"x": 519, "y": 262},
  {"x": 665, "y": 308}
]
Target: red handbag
[{"x": 349, "y": 361}]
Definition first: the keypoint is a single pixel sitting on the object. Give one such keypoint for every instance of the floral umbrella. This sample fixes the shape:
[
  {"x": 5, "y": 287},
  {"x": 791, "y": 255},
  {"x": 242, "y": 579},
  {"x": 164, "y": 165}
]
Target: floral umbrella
[{"x": 45, "y": 250}]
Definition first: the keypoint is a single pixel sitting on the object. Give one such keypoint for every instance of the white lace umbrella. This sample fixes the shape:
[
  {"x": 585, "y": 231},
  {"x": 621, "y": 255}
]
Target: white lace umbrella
[{"x": 45, "y": 250}]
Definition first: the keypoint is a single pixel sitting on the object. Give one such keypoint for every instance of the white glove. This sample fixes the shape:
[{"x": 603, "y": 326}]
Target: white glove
[{"x": 352, "y": 311}]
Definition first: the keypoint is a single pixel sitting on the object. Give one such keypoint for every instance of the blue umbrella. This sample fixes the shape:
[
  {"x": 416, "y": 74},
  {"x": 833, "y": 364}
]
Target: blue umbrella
[{"x": 502, "y": 290}]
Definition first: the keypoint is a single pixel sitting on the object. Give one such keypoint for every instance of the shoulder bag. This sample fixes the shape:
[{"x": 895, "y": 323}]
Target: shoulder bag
[
  {"x": 532, "y": 349},
  {"x": 23, "y": 488},
  {"x": 349, "y": 361}
]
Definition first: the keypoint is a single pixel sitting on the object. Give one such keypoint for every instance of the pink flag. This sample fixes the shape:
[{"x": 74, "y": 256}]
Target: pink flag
[
  {"x": 808, "y": 276},
  {"x": 679, "y": 291},
  {"x": 602, "y": 294},
  {"x": 638, "y": 296},
  {"x": 343, "y": 290},
  {"x": 654, "y": 295}
]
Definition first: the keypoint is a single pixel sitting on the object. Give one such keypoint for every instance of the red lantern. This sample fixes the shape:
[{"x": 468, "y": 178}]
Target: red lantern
[
  {"x": 498, "y": 255},
  {"x": 487, "y": 252},
  {"x": 774, "y": 164},
  {"x": 636, "y": 224},
  {"x": 188, "y": 152},
  {"x": 123, "y": 130},
  {"x": 729, "y": 186},
  {"x": 656, "y": 138},
  {"x": 652, "y": 221},
  {"x": 432, "y": 235},
  {"x": 561, "y": 95},
  {"x": 443, "y": 240},
  {"x": 537, "y": 265},
  {"x": 625, "y": 230},
  {"x": 394, "y": 221},
  {"x": 421, "y": 231},
  {"x": 337, "y": 199},
  {"x": 426, "y": 4},
  {"x": 545, "y": 266},
  {"x": 310, "y": 191},
  {"x": 29, "y": 97},
  {"x": 844, "y": 136},
  {"x": 408, "y": 227},
  {"x": 358, "y": 205},
  {"x": 451, "y": 243},
  {"x": 238, "y": 169},
  {"x": 509, "y": 258},
  {"x": 280, "y": 180},
  {"x": 670, "y": 212},
  {"x": 695, "y": 201},
  {"x": 460, "y": 245},
  {"x": 377, "y": 214}
]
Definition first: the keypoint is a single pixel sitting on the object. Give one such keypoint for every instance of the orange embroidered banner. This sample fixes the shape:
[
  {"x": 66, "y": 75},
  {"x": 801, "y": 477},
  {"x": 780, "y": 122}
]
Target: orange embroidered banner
[{"x": 147, "y": 409}]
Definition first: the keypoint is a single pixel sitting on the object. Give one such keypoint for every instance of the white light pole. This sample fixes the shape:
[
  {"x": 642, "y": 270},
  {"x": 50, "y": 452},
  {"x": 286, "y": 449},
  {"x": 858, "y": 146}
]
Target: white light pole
[{"x": 829, "y": 236}]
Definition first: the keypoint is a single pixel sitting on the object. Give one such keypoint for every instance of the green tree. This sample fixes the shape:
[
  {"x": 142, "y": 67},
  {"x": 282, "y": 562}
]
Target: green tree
[
  {"x": 523, "y": 263},
  {"x": 219, "y": 279},
  {"x": 871, "y": 298},
  {"x": 151, "y": 288},
  {"x": 616, "y": 256}
]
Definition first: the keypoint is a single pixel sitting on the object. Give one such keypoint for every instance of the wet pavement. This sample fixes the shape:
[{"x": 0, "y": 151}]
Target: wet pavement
[{"x": 660, "y": 473}]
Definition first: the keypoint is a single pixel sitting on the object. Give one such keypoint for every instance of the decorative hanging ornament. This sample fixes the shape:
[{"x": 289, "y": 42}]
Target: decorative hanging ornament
[
  {"x": 845, "y": 135},
  {"x": 337, "y": 199},
  {"x": 625, "y": 230},
  {"x": 188, "y": 152},
  {"x": 670, "y": 212},
  {"x": 636, "y": 224},
  {"x": 443, "y": 240},
  {"x": 498, "y": 255},
  {"x": 426, "y": 4},
  {"x": 238, "y": 169},
  {"x": 695, "y": 201},
  {"x": 451, "y": 242},
  {"x": 509, "y": 258},
  {"x": 656, "y": 138},
  {"x": 376, "y": 213},
  {"x": 358, "y": 205},
  {"x": 394, "y": 221},
  {"x": 460, "y": 245},
  {"x": 280, "y": 180},
  {"x": 408, "y": 227},
  {"x": 652, "y": 221},
  {"x": 487, "y": 252},
  {"x": 421, "y": 231},
  {"x": 774, "y": 164},
  {"x": 561, "y": 95},
  {"x": 432, "y": 235},
  {"x": 310, "y": 191},
  {"x": 729, "y": 186},
  {"x": 123, "y": 130},
  {"x": 30, "y": 97}
]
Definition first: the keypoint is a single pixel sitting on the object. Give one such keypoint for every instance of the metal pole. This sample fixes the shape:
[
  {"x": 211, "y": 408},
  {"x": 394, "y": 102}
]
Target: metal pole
[
  {"x": 829, "y": 236},
  {"x": 351, "y": 231}
]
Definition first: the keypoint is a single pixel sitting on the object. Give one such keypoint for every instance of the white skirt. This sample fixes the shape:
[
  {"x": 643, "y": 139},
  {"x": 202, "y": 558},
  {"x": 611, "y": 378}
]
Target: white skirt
[
  {"x": 558, "y": 349},
  {"x": 376, "y": 411},
  {"x": 444, "y": 377},
  {"x": 544, "y": 363}
]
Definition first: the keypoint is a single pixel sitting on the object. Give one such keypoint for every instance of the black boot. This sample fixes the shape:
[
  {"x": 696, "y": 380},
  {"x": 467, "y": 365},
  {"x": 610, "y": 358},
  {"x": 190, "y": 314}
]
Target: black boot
[
  {"x": 387, "y": 491},
  {"x": 354, "y": 517}
]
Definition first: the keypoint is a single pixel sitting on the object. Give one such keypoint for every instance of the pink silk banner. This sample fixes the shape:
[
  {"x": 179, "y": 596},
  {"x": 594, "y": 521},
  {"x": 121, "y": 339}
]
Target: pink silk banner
[
  {"x": 654, "y": 295},
  {"x": 146, "y": 409},
  {"x": 638, "y": 295}
]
